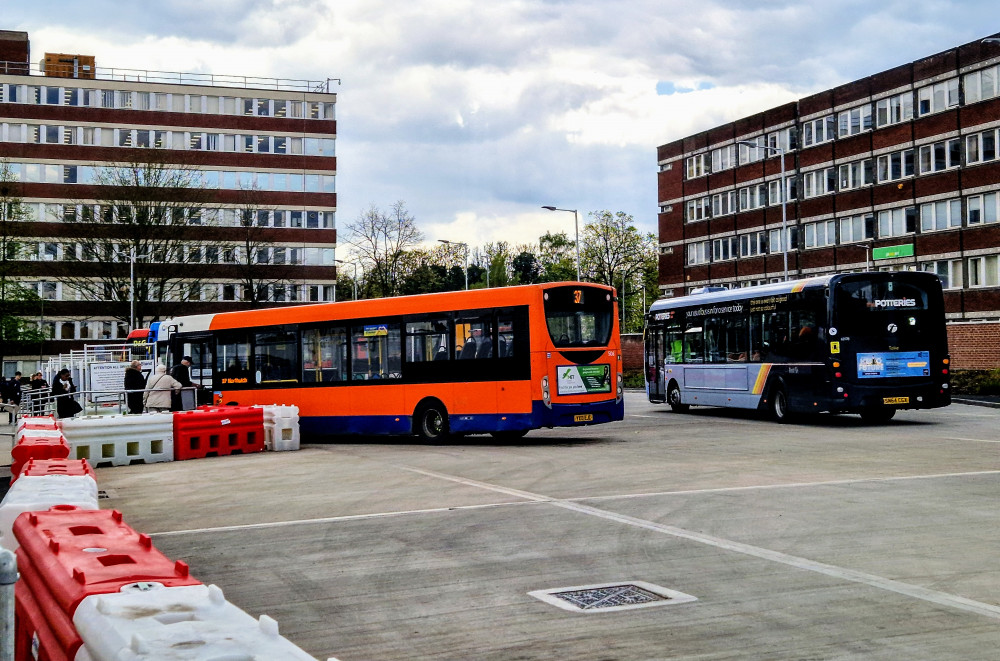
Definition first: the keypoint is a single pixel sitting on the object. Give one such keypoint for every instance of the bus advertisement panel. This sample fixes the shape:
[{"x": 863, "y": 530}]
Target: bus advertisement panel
[
  {"x": 868, "y": 343},
  {"x": 499, "y": 361}
]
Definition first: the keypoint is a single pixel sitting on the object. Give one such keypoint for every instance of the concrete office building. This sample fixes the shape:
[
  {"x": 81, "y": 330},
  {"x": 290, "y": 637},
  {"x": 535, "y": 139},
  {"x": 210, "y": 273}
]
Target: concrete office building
[
  {"x": 907, "y": 158},
  {"x": 64, "y": 120}
]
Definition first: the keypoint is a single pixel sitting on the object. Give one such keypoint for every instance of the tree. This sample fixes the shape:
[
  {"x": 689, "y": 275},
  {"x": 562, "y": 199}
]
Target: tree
[
  {"x": 615, "y": 253},
  {"x": 17, "y": 330},
  {"x": 257, "y": 262},
  {"x": 557, "y": 256},
  {"x": 526, "y": 267},
  {"x": 381, "y": 240},
  {"x": 144, "y": 207}
]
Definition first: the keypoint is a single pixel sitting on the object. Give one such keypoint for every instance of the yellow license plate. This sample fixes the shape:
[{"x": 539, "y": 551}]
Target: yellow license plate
[
  {"x": 895, "y": 400},
  {"x": 584, "y": 417}
]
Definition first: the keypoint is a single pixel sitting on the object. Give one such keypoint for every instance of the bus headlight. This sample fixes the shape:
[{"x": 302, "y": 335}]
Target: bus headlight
[{"x": 546, "y": 396}]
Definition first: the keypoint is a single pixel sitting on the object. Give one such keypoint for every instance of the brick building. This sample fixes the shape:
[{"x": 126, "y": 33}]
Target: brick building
[
  {"x": 907, "y": 159},
  {"x": 64, "y": 120}
]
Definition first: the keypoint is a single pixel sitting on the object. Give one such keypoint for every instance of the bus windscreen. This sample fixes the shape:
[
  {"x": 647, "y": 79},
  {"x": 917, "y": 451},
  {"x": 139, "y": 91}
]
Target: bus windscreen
[{"x": 579, "y": 316}]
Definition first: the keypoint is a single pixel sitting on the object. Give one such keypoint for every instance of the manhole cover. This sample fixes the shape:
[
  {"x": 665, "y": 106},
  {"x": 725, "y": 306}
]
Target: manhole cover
[{"x": 608, "y": 597}]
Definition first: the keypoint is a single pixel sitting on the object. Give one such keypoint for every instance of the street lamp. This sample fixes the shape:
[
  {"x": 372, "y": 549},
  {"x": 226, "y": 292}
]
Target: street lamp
[
  {"x": 465, "y": 246},
  {"x": 576, "y": 225},
  {"x": 131, "y": 282},
  {"x": 355, "y": 281},
  {"x": 784, "y": 194}
]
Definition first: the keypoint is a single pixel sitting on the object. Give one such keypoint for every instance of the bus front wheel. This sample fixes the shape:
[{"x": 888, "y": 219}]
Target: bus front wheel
[
  {"x": 877, "y": 415},
  {"x": 674, "y": 399},
  {"x": 431, "y": 422},
  {"x": 779, "y": 403}
]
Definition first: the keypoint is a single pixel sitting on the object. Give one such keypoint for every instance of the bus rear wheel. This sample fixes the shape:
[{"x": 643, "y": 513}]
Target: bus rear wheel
[
  {"x": 431, "y": 422},
  {"x": 877, "y": 415},
  {"x": 674, "y": 399}
]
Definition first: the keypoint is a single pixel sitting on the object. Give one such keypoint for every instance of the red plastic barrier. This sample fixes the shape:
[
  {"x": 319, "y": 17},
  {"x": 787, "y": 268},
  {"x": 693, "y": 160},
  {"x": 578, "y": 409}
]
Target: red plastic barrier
[
  {"x": 30, "y": 626},
  {"x": 37, "y": 447},
  {"x": 79, "y": 553},
  {"x": 217, "y": 431},
  {"x": 60, "y": 624},
  {"x": 56, "y": 467}
]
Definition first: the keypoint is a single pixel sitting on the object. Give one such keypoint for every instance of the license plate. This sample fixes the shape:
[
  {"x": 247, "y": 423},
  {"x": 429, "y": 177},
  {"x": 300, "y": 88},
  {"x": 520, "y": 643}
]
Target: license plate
[
  {"x": 895, "y": 400},
  {"x": 584, "y": 417}
]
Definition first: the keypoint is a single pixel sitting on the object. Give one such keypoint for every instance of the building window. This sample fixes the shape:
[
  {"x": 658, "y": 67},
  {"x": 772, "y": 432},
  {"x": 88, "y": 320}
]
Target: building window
[
  {"x": 697, "y": 166},
  {"x": 785, "y": 139},
  {"x": 948, "y": 270},
  {"x": 693, "y": 209},
  {"x": 941, "y": 156},
  {"x": 981, "y": 85},
  {"x": 940, "y": 215},
  {"x": 937, "y": 97},
  {"x": 856, "y": 174},
  {"x": 856, "y": 228},
  {"x": 774, "y": 190},
  {"x": 723, "y": 249},
  {"x": 724, "y": 203},
  {"x": 982, "y": 208},
  {"x": 895, "y": 165},
  {"x": 698, "y": 253},
  {"x": 750, "y": 154},
  {"x": 981, "y": 147},
  {"x": 897, "y": 222},
  {"x": 854, "y": 121},
  {"x": 819, "y": 182},
  {"x": 774, "y": 240},
  {"x": 817, "y": 131},
  {"x": 752, "y": 244},
  {"x": 753, "y": 197},
  {"x": 983, "y": 271},
  {"x": 723, "y": 158},
  {"x": 820, "y": 234}
]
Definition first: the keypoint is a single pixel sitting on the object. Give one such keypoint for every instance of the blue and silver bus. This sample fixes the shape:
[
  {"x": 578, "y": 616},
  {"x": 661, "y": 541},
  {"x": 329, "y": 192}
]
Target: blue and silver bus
[{"x": 869, "y": 343}]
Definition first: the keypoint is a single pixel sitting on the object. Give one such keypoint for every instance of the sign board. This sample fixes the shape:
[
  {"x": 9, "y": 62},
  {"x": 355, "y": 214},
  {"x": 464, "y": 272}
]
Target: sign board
[
  {"x": 891, "y": 252},
  {"x": 108, "y": 379},
  {"x": 583, "y": 379}
]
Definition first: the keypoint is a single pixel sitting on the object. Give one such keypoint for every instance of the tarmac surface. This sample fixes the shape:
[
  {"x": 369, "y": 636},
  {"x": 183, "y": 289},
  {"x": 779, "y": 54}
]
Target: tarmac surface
[{"x": 823, "y": 539}]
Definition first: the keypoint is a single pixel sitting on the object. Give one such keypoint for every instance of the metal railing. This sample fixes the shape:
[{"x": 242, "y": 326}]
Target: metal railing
[
  {"x": 180, "y": 78},
  {"x": 41, "y": 401}
]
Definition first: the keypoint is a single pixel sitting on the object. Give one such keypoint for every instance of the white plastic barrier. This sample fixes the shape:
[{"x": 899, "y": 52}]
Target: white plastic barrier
[
  {"x": 151, "y": 622},
  {"x": 45, "y": 421},
  {"x": 281, "y": 427},
  {"x": 120, "y": 440},
  {"x": 36, "y": 433},
  {"x": 33, "y": 493}
]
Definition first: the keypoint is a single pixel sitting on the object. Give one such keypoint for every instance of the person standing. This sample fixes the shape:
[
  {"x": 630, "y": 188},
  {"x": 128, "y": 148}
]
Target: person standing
[
  {"x": 159, "y": 388},
  {"x": 135, "y": 384},
  {"x": 62, "y": 389},
  {"x": 182, "y": 372}
]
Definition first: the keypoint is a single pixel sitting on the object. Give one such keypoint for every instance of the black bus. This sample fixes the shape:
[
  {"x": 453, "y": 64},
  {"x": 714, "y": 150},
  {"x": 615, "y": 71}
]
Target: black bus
[{"x": 868, "y": 343}]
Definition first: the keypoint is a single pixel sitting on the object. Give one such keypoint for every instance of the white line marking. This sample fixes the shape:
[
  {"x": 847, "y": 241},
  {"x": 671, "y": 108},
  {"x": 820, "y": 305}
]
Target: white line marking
[
  {"x": 975, "y": 440},
  {"x": 925, "y": 594}
]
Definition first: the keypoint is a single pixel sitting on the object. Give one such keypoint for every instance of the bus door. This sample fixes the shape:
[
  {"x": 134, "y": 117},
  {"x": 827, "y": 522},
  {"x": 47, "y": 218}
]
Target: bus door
[
  {"x": 655, "y": 358},
  {"x": 201, "y": 348}
]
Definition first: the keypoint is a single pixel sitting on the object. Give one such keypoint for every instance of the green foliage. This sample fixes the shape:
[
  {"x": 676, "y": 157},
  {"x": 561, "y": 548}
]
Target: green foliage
[{"x": 975, "y": 382}]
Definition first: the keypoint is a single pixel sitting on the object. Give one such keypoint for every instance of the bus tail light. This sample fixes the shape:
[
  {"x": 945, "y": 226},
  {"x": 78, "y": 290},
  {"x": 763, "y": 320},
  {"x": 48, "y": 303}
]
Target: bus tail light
[
  {"x": 546, "y": 396},
  {"x": 944, "y": 371},
  {"x": 621, "y": 387}
]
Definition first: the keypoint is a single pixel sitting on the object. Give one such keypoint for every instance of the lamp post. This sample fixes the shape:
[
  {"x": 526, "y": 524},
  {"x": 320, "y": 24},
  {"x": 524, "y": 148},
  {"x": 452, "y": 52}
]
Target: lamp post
[
  {"x": 576, "y": 226},
  {"x": 784, "y": 194},
  {"x": 355, "y": 281},
  {"x": 131, "y": 282},
  {"x": 465, "y": 252}
]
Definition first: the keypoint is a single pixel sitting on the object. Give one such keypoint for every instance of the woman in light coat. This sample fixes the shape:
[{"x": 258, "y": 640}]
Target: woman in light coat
[{"x": 158, "y": 389}]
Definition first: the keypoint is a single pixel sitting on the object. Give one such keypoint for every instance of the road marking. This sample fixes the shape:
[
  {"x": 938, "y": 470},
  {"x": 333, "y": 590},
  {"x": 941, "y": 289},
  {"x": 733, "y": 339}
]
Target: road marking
[
  {"x": 975, "y": 440},
  {"x": 873, "y": 580}
]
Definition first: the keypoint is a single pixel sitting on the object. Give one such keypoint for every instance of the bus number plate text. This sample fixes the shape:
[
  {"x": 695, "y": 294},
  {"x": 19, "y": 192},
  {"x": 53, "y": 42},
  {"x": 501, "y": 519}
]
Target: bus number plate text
[
  {"x": 583, "y": 417},
  {"x": 895, "y": 400}
]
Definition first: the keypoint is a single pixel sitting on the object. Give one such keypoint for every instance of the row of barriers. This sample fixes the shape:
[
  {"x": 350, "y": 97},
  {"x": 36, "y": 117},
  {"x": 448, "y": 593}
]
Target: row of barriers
[
  {"x": 93, "y": 589},
  {"x": 122, "y": 440}
]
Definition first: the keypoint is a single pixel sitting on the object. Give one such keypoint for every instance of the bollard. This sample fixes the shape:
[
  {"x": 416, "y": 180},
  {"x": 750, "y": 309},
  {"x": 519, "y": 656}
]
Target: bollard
[{"x": 8, "y": 577}]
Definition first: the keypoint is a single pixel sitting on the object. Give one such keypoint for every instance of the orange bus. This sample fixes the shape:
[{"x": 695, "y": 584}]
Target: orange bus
[{"x": 499, "y": 361}]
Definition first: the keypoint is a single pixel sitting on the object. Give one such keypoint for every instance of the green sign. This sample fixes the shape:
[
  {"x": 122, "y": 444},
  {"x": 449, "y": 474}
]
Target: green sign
[
  {"x": 583, "y": 379},
  {"x": 890, "y": 252}
]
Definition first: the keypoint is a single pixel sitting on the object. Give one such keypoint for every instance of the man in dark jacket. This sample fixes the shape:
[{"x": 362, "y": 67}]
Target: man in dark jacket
[
  {"x": 182, "y": 373},
  {"x": 62, "y": 388},
  {"x": 135, "y": 383}
]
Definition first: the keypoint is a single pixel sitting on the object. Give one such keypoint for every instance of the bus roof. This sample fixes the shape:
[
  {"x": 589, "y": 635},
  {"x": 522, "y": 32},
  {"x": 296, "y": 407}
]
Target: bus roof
[{"x": 456, "y": 300}]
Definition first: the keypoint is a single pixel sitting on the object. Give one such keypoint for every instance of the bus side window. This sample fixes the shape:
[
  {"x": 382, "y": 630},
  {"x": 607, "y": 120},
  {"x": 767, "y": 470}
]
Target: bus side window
[
  {"x": 324, "y": 355},
  {"x": 427, "y": 341},
  {"x": 674, "y": 349},
  {"x": 693, "y": 343}
]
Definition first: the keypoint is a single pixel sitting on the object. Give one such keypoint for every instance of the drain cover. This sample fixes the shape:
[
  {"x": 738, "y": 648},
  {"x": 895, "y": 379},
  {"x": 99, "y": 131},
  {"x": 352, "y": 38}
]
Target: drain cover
[{"x": 606, "y": 597}]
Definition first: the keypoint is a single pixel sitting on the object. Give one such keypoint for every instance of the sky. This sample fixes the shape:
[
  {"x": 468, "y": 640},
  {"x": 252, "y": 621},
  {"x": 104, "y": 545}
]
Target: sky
[{"x": 475, "y": 114}]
